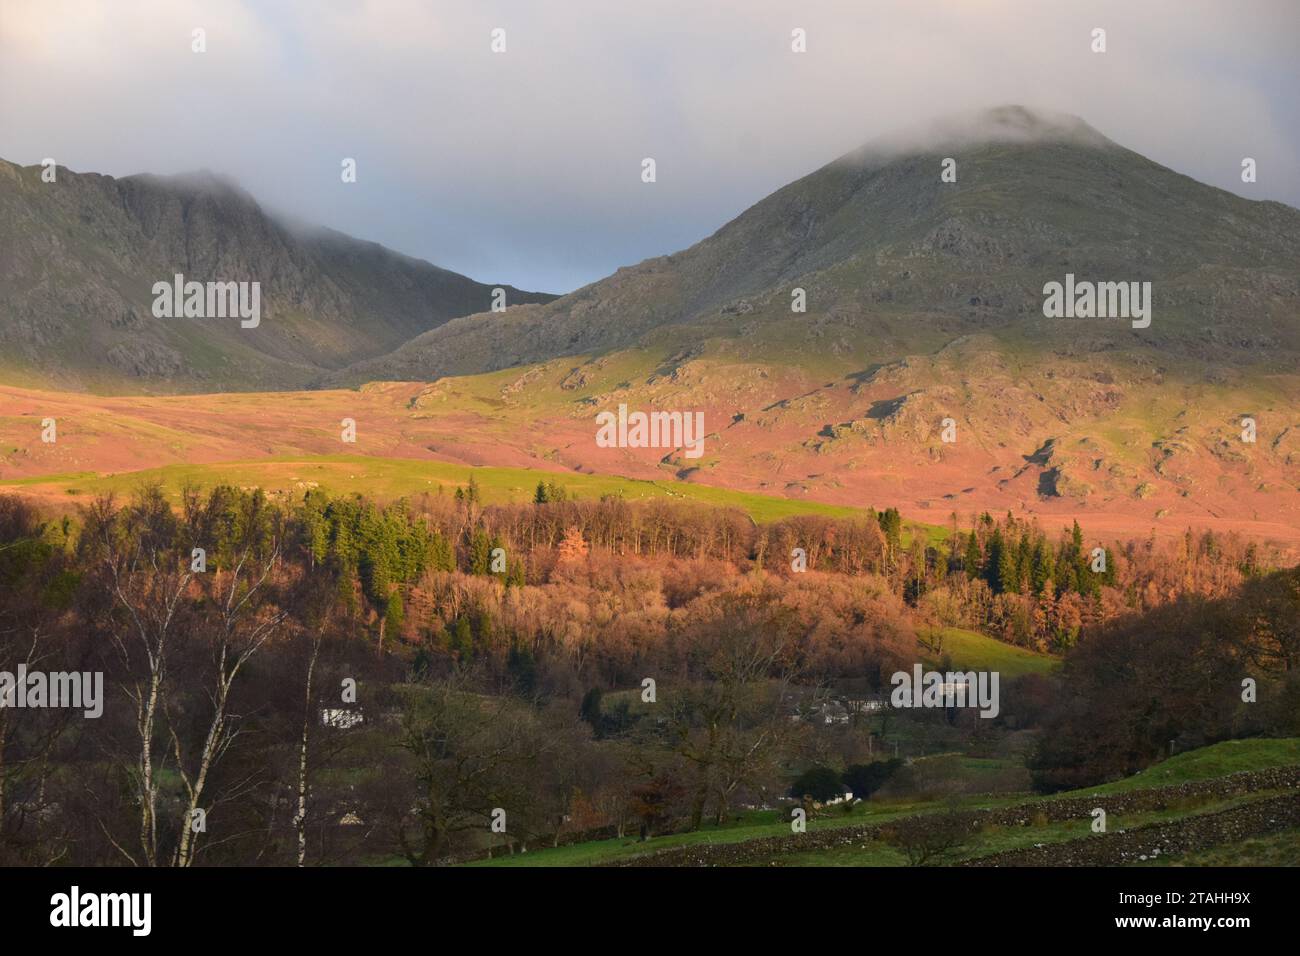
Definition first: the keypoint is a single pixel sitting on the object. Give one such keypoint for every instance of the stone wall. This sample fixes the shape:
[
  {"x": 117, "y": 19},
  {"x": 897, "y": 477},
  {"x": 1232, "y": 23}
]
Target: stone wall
[{"x": 1047, "y": 809}]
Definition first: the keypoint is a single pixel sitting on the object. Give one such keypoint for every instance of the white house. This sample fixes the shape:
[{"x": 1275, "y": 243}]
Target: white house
[{"x": 341, "y": 718}]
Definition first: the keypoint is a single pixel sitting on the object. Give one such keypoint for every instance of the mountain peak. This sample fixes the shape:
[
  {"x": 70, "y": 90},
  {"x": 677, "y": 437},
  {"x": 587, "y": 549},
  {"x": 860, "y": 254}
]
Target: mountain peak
[
  {"x": 1006, "y": 124},
  {"x": 203, "y": 182},
  {"x": 328, "y": 299},
  {"x": 1017, "y": 123},
  {"x": 884, "y": 247}
]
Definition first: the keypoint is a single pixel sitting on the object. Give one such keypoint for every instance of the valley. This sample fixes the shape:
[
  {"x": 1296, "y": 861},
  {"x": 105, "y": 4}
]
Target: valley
[
  {"x": 644, "y": 556},
  {"x": 1145, "y": 460},
  {"x": 824, "y": 336}
]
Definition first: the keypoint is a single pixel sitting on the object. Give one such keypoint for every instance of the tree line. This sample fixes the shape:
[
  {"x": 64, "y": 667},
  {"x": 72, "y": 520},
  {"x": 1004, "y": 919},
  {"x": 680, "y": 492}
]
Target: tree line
[{"x": 337, "y": 680}]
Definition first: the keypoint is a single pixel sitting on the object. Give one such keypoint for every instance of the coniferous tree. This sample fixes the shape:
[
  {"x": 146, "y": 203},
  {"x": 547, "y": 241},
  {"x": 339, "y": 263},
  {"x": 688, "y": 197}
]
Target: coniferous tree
[
  {"x": 394, "y": 613},
  {"x": 462, "y": 638},
  {"x": 480, "y": 552},
  {"x": 993, "y": 561},
  {"x": 1008, "y": 574},
  {"x": 974, "y": 558}
]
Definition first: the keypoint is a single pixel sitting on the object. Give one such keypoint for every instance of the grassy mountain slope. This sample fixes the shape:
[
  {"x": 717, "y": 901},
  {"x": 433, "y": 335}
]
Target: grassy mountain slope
[
  {"x": 924, "y": 302},
  {"x": 79, "y": 257},
  {"x": 895, "y": 260}
]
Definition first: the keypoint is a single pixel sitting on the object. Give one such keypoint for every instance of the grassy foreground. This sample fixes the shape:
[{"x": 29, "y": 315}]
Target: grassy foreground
[{"x": 1205, "y": 763}]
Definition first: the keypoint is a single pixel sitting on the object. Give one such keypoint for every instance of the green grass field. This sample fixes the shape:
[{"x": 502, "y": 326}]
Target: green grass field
[
  {"x": 1217, "y": 760},
  {"x": 971, "y": 650},
  {"x": 995, "y": 839},
  {"x": 389, "y": 478}
]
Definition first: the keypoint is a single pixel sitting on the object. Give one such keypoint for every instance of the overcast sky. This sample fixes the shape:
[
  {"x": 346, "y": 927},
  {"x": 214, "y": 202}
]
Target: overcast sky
[{"x": 525, "y": 166}]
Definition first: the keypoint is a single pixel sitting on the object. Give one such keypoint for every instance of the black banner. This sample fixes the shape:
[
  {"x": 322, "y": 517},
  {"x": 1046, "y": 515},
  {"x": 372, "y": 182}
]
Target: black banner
[{"x": 339, "y": 906}]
